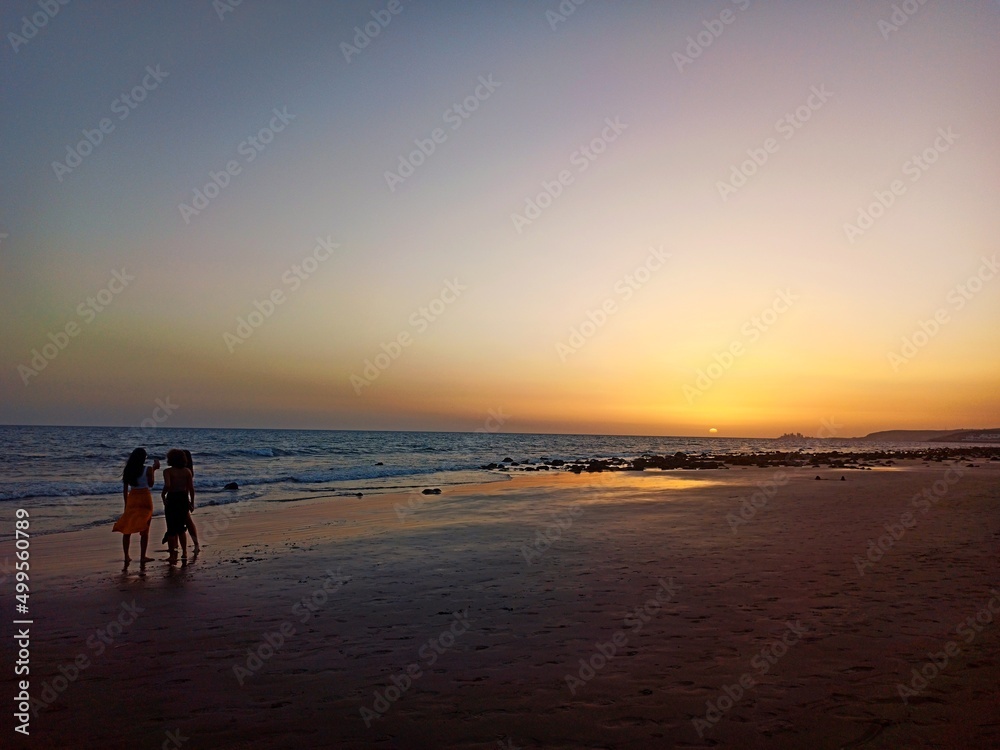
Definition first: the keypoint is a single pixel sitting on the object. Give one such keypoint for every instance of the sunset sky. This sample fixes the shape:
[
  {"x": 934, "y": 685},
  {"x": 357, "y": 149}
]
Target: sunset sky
[{"x": 645, "y": 297}]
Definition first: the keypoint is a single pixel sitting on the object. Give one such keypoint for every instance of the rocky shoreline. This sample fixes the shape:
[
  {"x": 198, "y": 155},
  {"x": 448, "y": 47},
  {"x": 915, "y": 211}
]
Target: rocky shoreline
[{"x": 860, "y": 460}]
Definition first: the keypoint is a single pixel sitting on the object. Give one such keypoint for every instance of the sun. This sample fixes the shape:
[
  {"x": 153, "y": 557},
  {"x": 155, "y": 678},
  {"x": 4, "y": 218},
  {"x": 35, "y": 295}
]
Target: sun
[{"x": 712, "y": 430}]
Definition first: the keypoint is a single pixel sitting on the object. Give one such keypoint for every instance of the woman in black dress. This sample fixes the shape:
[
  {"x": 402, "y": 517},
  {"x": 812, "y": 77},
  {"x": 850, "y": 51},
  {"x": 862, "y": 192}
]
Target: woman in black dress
[
  {"x": 190, "y": 521},
  {"x": 177, "y": 495}
]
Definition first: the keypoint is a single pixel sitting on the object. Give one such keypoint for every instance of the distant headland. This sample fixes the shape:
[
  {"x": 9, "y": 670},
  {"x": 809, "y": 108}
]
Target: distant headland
[{"x": 991, "y": 435}]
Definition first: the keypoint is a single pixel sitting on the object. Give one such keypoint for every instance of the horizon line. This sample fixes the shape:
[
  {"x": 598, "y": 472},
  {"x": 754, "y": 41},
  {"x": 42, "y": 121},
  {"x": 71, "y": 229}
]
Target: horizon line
[{"x": 499, "y": 432}]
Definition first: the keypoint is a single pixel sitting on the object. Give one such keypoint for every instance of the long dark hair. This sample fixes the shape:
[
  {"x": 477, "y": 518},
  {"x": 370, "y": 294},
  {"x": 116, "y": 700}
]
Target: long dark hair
[
  {"x": 190, "y": 461},
  {"x": 134, "y": 467}
]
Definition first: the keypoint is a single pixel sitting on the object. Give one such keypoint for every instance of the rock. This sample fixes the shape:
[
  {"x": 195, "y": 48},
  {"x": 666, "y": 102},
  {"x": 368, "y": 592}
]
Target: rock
[
  {"x": 843, "y": 479},
  {"x": 379, "y": 463},
  {"x": 703, "y": 465},
  {"x": 359, "y": 494},
  {"x": 231, "y": 486},
  {"x": 434, "y": 491},
  {"x": 557, "y": 462},
  {"x": 507, "y": 460},
  {"x": 818, "y": 478},
  {"x": 491, "y": 466}
]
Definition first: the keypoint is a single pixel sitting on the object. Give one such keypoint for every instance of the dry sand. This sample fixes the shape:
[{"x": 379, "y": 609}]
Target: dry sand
[{"x": 386, "y": 591}]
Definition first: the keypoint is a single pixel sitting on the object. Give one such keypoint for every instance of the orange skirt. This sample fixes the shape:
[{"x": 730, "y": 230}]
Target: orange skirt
[{"x": 138, "y": 512}]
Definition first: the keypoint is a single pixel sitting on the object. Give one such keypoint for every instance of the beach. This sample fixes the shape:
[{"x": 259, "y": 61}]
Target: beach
[
  {"x": 612, "y": 610},
  {"x": 571, "y": 375}
]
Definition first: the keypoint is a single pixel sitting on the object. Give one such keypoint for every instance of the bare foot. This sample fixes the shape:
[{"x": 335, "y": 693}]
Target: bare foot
[
  {"x": 148, "y": 559},
  {"x": 197, "y": 548},
  {"x": 128, "y": 560}
]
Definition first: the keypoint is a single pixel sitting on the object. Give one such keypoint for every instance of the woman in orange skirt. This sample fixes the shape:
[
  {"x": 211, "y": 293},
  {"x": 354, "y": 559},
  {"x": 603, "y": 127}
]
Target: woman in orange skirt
[{"x": 137, "y": 483}]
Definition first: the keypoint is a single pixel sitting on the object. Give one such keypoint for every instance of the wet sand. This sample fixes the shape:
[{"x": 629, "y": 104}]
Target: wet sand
[{"x": 615, "y": 610}]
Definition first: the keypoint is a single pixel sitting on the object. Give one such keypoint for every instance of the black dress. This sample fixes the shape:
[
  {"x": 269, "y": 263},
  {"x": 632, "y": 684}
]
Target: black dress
[{"x": 175, "y": 511}]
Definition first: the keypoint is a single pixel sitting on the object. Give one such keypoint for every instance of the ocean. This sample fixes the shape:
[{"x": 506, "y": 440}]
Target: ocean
[{"x": 69, "y": 477}]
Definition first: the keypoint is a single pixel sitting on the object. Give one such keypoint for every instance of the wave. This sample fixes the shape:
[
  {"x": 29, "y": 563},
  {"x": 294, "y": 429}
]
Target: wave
[
  {"x": 213, "y": 485},
  {"x": 54, "y": 489},
  {"x": 265, "y": 452},
  {"x": 116, "y": 454}
]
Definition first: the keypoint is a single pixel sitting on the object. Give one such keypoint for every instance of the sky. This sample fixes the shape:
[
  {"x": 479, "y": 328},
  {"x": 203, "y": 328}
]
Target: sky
[{"x": 655, "y": 218}]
